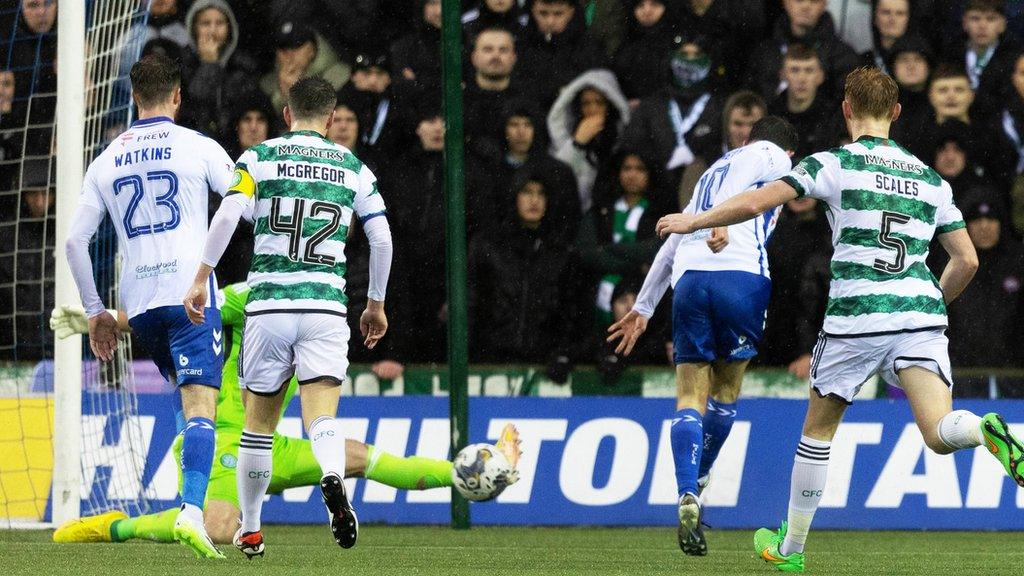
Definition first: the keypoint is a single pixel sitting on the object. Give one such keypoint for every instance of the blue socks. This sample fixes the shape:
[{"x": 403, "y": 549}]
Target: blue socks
[
  {"x": 687, "y": 435},
  {"x": 196, "y": 460},
  {"x": 718, "y": 419}
]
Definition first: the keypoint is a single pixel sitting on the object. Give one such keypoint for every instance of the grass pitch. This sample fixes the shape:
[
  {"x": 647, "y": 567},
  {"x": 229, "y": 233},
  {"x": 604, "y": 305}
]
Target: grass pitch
[{"x": 387, "y": 550}]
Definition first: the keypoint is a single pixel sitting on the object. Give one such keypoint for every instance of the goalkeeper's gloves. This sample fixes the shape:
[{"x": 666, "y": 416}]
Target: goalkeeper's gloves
[{"x": 70, "y": 320}]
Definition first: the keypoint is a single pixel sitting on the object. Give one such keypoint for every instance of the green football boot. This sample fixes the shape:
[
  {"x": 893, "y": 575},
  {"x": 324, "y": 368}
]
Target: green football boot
[
  {"x": 766, "y": 544},
  {"x": 1004, "y": 446}
]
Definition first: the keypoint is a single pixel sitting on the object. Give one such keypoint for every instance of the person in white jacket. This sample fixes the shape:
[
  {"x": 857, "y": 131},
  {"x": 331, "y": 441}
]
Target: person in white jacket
[{"x": 584, "y": 125}]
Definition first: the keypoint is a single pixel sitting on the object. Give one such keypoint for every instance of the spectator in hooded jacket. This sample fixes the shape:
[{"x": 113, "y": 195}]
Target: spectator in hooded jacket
[
  {"x": 804, "y": 22},
  {"x": 507, "y": 14},
  {"x": 890, "y": 23},
  {"x": 525, "y": 150},
  {"x": 523, "y": 293},
  {"x": 910, "y": 64},
  {"x": 953, "y": 159},
  {"x": 988, "y": 55},
  {"x": 215, "y": 75},
  {"x": 584, "y": 125},
  {"x": 986, "y": 322},
  {"x": 668, "y": 124},
  {"x": 416, "y": 57},
  {"x": 639, "y": 64},
  {"x": 300, "y": 52},
  {"x": 554, "y": 50}
]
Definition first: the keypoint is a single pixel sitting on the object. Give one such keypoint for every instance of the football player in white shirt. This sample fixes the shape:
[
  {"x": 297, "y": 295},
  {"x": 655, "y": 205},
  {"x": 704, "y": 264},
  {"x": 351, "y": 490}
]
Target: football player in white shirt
[
  {"x": 721, "y": 291},
  {"x": 154, "y": 182}
]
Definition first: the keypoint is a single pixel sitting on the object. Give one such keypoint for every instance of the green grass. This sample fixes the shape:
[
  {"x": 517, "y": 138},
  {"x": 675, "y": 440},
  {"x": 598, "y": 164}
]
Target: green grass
[{"x": 384, "y": 551}]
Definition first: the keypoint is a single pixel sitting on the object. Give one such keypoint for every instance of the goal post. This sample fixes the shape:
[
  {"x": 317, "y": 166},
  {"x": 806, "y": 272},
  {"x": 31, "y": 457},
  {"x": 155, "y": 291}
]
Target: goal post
[{"x": 67, "y": 353}]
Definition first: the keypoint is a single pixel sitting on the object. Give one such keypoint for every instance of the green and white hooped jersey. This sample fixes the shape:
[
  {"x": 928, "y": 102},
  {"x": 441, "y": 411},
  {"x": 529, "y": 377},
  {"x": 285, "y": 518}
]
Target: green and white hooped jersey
[
  {"x": 885, "y": 206},
  {"x": 303, "y": 191}
]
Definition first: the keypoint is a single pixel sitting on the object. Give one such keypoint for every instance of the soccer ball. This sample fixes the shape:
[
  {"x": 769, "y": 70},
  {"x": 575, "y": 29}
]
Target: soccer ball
[{"x": 481, "y": 472}]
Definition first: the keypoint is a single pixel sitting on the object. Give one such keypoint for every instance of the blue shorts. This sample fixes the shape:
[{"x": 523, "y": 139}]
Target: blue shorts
[
  {"x": 193, "y": 354},
  {"x": 718, "y": 315}
]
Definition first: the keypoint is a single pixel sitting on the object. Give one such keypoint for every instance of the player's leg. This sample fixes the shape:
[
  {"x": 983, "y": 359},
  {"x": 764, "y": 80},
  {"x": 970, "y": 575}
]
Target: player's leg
[
  {"x": 321, "y": 340},
  {"x": 720, "y": 413}
]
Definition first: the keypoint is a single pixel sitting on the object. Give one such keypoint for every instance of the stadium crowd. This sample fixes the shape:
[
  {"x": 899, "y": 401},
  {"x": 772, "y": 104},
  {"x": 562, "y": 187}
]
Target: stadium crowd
[{"x": 585, "y": 121}]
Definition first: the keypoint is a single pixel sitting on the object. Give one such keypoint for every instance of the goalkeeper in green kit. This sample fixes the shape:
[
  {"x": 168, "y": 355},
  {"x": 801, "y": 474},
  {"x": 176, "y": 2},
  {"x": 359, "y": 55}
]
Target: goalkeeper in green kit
[{"x": 294, "y": 464}]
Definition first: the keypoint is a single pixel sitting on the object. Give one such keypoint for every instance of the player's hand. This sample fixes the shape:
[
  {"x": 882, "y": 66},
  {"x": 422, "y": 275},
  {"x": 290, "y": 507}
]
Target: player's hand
[
  {"x": 195, "y": 303},
  {"x": 628, "y": 328},
  {"x": 388, "y": 369},
  {"x": 373, "y": 323},
  {"x": 801, "y": 367},
  {"x": 103, "y": 336},
  {"x": 719, "y": 239},
  {"x": 69, "y": 320},
  {"x": 676, "y": 224}
]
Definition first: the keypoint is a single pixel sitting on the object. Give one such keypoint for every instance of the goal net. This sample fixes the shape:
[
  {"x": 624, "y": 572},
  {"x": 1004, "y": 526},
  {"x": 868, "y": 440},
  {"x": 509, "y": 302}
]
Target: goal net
[{"x": 110, "y": 439}]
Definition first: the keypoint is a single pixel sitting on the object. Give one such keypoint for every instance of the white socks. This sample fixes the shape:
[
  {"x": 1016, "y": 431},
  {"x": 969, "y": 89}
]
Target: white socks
[
  {"x": 960, "y": 429},
  {"x": 328, "y": 445},
  {"x": 810, "y": 468},
  {"x": 253, "y": 476}
]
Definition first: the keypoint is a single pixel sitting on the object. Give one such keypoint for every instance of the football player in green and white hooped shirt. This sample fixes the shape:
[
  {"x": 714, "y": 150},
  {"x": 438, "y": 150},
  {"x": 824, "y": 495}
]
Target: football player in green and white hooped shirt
[
  {"x": 886, "y": 313},
  {"x": 301, "y": 190}
]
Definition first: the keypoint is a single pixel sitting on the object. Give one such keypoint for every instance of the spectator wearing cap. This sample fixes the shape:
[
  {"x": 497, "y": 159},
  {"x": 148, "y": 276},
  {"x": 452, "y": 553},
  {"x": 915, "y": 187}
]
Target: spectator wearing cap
[
  {"x": 910, "y": 63},
  {"x": 300, "y": 52},
  {"x": 986, "y": 322},
  {"x": 584, "y": 125},
  {"x": 988, "y": 55},
  {"x": 490, "y": 88},
  {"x": 650, "y": 30},
  {"x": 413, "y": 190},
  {"x": 525, "y": 149},
  {"x": 484, "y": 14},
  {"x": 523, "y": 289},
  {"x": 731, "y": 27},
  {"x": 803, "y": 104},
  {"x": 667, "y": 125},
  {"x": 890, "y": 22},
  {"x": 416, "y": 57},
  {"x": 349, "y": 26},
  {"x": 555, "y": 49},
  {"x": 216, "y": 77},
  {"x": 384, "y": 108},
  {"x": 803, "y": 22}
]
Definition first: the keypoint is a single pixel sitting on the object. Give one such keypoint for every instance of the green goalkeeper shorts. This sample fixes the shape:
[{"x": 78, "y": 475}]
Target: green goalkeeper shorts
[{"x": 293, "y": 465}]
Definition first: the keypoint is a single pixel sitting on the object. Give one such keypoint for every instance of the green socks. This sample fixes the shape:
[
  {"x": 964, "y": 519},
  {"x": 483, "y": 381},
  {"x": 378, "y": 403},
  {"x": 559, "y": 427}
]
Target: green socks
[
  {"x": 410, "y": 473},
  {"x": 158, "y": 527}
]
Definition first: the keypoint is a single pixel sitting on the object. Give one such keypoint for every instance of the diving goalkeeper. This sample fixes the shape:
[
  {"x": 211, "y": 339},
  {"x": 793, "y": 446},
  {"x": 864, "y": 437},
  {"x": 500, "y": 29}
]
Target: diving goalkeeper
[{"x": 294, "y": 464}]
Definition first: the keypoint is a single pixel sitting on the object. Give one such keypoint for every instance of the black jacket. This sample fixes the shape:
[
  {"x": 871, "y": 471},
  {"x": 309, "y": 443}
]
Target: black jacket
[
  {"x": 523, "y": 296},
  {"x": 419, "y": 52},
  {"x": 546, "y": 64},
  {"x": 836, "y": 56},
  {"x": 641, "y": 63},
  {"x": 818, "y": 127}
]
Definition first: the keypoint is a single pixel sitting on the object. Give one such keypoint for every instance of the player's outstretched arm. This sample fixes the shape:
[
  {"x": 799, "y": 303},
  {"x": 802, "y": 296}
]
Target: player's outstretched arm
[
  {"x": 630, "y": 327},
  {"x": 103, "y": 329},
  {"x": 963, "y": 263},
  {"x": 373, "y": 323},
  {"x": 739, "y": 208}
]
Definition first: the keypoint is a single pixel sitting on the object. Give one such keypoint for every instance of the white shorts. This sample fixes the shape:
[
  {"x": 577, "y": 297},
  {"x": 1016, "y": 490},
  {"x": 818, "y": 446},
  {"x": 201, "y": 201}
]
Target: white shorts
[
  {"x": 840, "y": 365},
  {"x": 277, "y": 346}
]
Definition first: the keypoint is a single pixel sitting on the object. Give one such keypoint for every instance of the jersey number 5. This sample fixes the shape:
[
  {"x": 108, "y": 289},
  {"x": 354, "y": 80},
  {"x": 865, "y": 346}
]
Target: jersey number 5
[
  {"x": 291, "y": 224},
  {"x": 888, "y": 239},
  {"x": 166, "y": 200}
]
